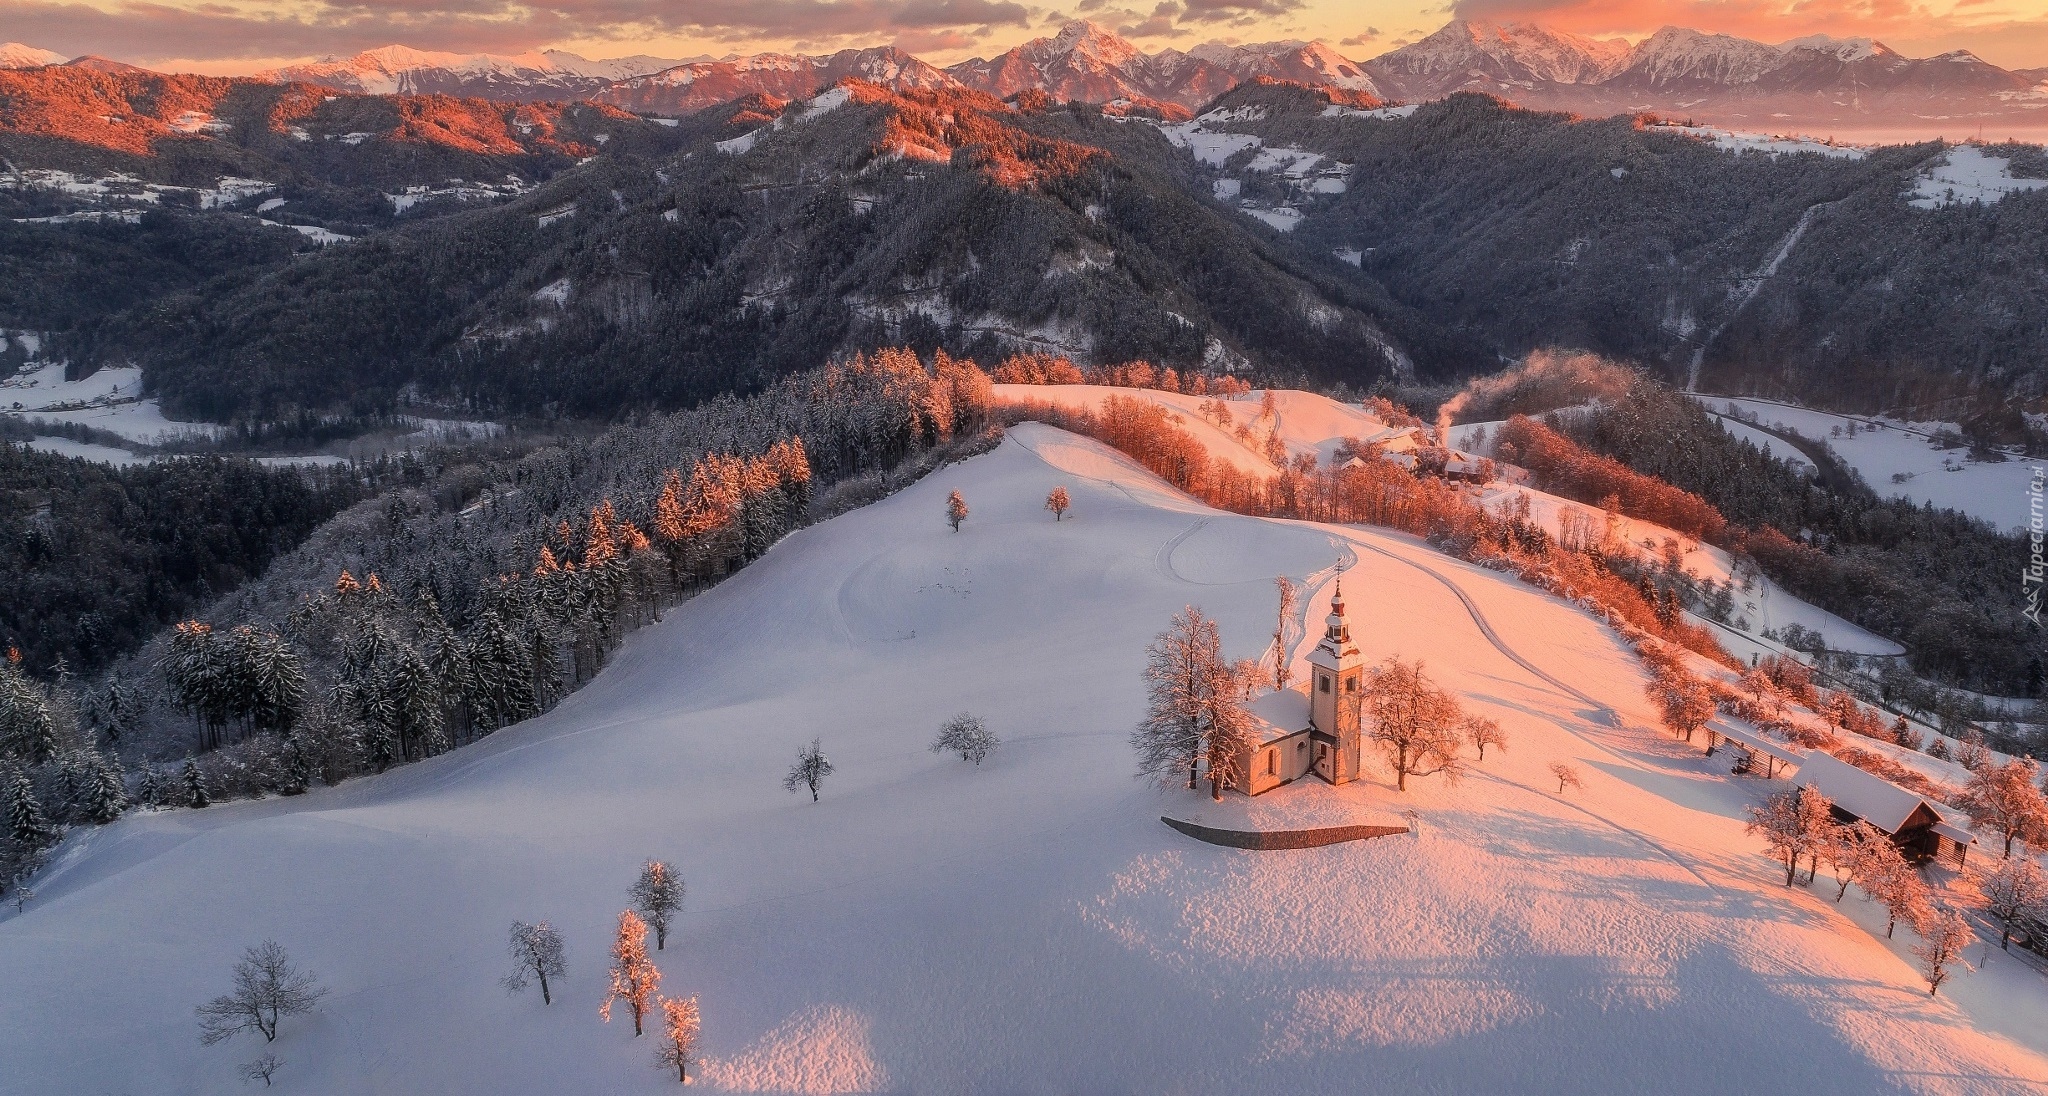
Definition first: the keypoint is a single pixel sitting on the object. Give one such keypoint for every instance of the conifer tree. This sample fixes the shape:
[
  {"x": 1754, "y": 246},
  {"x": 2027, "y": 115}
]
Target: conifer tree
[
  {"x": 196, "y": 794},
  {"x": 103, "y": 797},
  {"x": 27, "y": 729},
  {"x": 26, "y": 824},
  {"x": 658, "y": 895},
  {"x": 634, "y": 978}
]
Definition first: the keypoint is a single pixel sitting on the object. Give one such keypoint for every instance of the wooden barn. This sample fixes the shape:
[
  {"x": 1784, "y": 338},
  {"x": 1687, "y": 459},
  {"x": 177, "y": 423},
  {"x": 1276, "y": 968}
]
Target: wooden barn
[{"x": 1914, "y": 824}]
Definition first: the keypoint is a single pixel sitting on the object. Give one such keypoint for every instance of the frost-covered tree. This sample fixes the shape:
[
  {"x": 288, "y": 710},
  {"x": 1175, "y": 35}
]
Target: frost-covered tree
[
  {"x": 1896, "y": 883},
  {"x": 154, "y": 789},
  {"x": 634, "y": 977},
  {"x": 537, "y": 954},
  {"x": 2017, "y": 889},
  {"x": 1058, "y": 503},
  {"x": 1850, "y": 850},
  {"x": 1944, "y": 933},
  {"x": 1193, "y": 702},
  {"x": 27, "y": 826},
  {"x": 680, "y": 1023},
  {"x": 1415, "y": 724},
  {"x": 1290, "y": 596},
  {"x": 194, "y": 785},
  {"x": 27, "y": 729},
  {"x": 658, "y": 895},
  {"x": 262, "y": 1069},
  {"x": 810, "y": 770},
  {"x": 1792, "y": 824},
  {"x": 268, "y": 988},
  {"x": 1482, "y": 732},
  {"x": 2003, "y": 799},
  {"x": 1566, "y": 775},
  {"x": 102, "y": 795},
  {"x": 965, "y": 735},
  {"x": 1683, "y": 700},
  {"x": 956, "y": 510}
]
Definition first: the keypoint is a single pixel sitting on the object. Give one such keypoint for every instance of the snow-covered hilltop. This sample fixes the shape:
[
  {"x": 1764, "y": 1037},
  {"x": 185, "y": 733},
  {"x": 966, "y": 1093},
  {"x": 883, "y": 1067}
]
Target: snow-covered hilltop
[{"x": 1027, "y": 924}]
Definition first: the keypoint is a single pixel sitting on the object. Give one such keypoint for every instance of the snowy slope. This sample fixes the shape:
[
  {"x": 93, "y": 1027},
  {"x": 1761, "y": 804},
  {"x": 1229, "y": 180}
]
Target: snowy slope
[
  {"x": 1883, "y": 448},
  {"x": 1028, "y": 926}
]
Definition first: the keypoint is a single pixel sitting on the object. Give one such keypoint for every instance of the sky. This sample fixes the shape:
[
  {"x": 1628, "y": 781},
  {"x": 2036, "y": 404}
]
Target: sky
[{"x": 235, "y": 36}]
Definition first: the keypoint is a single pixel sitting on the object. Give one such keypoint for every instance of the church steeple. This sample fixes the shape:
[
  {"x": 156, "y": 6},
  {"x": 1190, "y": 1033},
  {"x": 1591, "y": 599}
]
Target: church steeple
[{"x": 1336, "y": 630}]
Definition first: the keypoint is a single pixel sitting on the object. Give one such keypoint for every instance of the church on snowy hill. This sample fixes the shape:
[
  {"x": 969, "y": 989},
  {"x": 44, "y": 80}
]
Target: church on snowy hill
[{"x": 1313, "y": 727}]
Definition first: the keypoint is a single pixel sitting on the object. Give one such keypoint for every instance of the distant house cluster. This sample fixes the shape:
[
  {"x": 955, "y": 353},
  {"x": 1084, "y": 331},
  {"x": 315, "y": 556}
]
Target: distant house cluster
[{"x": 1413, "y": 449}]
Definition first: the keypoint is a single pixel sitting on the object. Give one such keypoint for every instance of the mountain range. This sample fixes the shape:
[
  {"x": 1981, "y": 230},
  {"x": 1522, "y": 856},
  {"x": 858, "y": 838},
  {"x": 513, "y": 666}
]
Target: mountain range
[{"x": 1803, "y": 83}]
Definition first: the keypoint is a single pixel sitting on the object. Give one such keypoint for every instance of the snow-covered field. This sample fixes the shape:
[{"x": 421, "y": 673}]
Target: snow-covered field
[
  {"x": 1028, "y": 926},
  {"x": 1769, "y": 144},
  {"x": 1883, "y": 448},
  {"x": 110, "y": 400},
  {"x": 1965, "y": 175}
]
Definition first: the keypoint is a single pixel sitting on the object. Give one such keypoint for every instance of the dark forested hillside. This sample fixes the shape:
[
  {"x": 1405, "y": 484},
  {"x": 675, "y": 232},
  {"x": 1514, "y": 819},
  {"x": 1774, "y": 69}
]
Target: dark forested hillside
[
  {"x": 937, "y": 219},
  {"x": 1522, "y": 230},
  {"x": 97, "y": 559}
]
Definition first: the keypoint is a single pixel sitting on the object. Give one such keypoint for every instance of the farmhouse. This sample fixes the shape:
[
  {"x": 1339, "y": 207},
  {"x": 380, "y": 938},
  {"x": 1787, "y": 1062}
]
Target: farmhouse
[
  {"x": 1914, "y": 824},
  {"x": 1313, "y": 727}
]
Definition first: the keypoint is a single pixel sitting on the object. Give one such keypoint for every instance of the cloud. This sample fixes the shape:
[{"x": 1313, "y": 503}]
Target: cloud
[
  {"x": 1365, "y": 37},
  {"x": 1237, "y": 12},
  {"x": 151, "y": 31}
]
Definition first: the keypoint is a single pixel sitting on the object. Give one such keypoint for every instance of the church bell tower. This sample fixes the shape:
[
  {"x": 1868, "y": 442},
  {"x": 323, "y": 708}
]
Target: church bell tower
[{"x": 1336, "y": 681}]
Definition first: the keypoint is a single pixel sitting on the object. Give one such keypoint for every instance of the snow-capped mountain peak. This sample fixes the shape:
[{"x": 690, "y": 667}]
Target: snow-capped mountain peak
[
  {"x": 398, "y": 69},
  {"x": 1678, "y": 54},
  {"x": 14, "y": 55},
  {"x": 1841, "y": 49},
  {"x": 1510, "y": 53}
]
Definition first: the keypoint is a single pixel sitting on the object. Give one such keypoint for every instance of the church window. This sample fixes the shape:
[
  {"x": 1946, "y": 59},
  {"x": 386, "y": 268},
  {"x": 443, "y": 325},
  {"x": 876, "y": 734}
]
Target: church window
[
  {"x": 1272, "y": 762},
  {"x": 1323, "y": 682},
  {"x": 1351, "y": 683}
]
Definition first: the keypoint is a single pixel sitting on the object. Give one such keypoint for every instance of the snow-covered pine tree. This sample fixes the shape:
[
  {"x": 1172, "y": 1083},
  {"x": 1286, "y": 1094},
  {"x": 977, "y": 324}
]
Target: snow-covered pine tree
[
  {"x": 956, "y": 510},
  {"x": 153, "y": 790},
  {"x": 679, "y": 1026},
  {"x": 27, "y": 826},
  {"x": 658, "y": 895},
  {"x": 194, "y": 785},
  {"x": 103, "y": 796},
  {"x": 810, "y": 770},
  {"x": 965, "y": 735},
  {"x": 538, "y": 955},
  {"x": 28, "y": 732},
  {"x": 634, "y": 978}
]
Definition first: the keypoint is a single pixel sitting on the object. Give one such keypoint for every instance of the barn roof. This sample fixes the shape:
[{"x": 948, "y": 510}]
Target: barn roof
[
  {"x": 1757, "y": 743},
  {"x": 1867, "y": 796}
]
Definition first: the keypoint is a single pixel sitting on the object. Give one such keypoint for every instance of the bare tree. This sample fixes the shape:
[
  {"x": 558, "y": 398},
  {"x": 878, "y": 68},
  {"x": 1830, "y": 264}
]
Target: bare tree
[
  {"x": 1180, "y": 671},
  {"x": 1897, "y": 884},
  {"x": 1944, "y": 933},
  {"x": 1850, "y": 850},
  {"x": 658, "y": 894},
  {"x": 1414, "y": 722},
  {"x": 1683, "y": 701},
  {"x": 262, "y": 1069},
  {"x": 956, "y": 510},
  {"x": 810, "y": 770},
  {"x": 2015, "y": 890},
  {"x": 1290, "y": 596},
  {"x": 538, "y": 951},
  {"x": 1482, "y": 732},
  {"x": 2003, "y": 798},
  {"x": 964, "y": 734},
  {"x": 267, "y": 989},
  {"x": 634, "y": 976},
  {"x": 1566, "y": 776},
  {"x": 1791, "y": 825},
  {"x": 679, "y": 1026},
  {"x": 1058, "y": 502},
  {"x": 1227, "y": 736}
]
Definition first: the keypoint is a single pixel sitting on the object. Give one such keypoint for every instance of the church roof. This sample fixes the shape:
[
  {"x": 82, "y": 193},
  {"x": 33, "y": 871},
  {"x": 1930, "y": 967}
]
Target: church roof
[{"x": 1277, "y": 714}]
